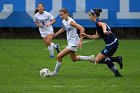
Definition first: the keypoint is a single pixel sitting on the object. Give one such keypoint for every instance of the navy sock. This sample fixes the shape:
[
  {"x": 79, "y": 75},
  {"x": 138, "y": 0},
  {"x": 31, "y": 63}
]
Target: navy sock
[
  {"x": 105, "y": 60},
  {"x": 110, "y": 59},
  {"x": 112, "y": 67},
  {"x": 114, "y": 59}
]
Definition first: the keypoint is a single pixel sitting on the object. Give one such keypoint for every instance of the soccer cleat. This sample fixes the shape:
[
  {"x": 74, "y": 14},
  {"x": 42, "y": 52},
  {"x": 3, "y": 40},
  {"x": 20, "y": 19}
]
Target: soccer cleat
[
  {"x": 118, "y": 75},
  {"x": 57, "y": 48},
  {"x": 120, "y": 62},
  {"x": 54, "y": 73},
  {"x": 93, "y": 59},
  {"x": 51, "y": 56}
]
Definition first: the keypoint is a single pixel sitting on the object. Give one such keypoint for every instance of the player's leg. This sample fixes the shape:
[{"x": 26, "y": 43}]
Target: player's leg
[
  {"x": 102, "y": 59},
  {"x": 59, "y": 61},
  {"x": 75, "y": 58},
  {"x": 56, "y": 46},
  {"x": 47, "y": 40},
  {"x": 117, "y": 59},
  {"x": 110, "y": 51},
  {"x": 51, "y": 45}
]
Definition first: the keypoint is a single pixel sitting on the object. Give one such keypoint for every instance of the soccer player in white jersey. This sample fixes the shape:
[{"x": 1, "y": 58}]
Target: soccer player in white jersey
[
  {"x": 44, "y": 21},
  {"x": 73, "y": 40}
]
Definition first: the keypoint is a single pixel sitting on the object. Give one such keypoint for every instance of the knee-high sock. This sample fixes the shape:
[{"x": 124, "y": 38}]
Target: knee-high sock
[
  {"x": 110, "y": 59},
  {"x": 54, "y": 46},
  {"x": 112, "y": 67},
  {"x": 57, "y": 66},
  {"x": 86, "y": 58},
  {"x": 114, "y": 59},
  {"x": 51, "y": 51}
]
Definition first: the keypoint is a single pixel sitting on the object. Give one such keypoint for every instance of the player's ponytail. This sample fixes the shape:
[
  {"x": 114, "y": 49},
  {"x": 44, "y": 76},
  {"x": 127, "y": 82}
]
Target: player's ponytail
[
  {"x": 36, "y": 10},
  {"x": 96, "y": 12}
]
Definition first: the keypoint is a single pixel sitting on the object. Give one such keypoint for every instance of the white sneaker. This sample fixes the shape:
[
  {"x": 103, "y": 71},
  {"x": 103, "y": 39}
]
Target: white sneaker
[
  {"x": 54, "y": 73},
  {"x": 93, "y": 59}
]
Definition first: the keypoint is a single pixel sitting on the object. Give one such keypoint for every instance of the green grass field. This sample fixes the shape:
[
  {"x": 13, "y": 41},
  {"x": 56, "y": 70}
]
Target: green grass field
[{"x": 21, "y": 61}]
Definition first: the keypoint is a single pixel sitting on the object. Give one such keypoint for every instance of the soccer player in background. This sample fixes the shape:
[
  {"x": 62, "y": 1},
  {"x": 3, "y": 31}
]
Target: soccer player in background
[
  {"x": 44, "y": 21},
  {"x": 111, "y": 43},
  {"x": 73, "y": 40}
]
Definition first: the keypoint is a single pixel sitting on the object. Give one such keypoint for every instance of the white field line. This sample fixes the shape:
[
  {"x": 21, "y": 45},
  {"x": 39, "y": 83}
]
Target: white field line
[{"x": 73, "y": 86}]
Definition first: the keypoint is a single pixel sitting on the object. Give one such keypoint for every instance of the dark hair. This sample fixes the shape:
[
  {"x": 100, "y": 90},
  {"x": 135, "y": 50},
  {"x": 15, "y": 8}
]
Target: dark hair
[
  {"x": 41, "y": 4},
  {"x": 64, "y": 10},
  {"x": 36, "y": 10},
  {"x": 96, "y": 12}
]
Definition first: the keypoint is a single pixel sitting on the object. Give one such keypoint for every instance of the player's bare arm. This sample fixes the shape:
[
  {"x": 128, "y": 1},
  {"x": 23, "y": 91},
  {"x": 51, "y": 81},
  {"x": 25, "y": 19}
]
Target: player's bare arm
[
  {"x": 96, "y": 36},
  {"x": 103, "y": 25},
  {"x": 82, "y": 30},
  {"x": 60, "y": 31},
  {"x": 38, "y": 24},
  {"x": 51, "y": 23}
]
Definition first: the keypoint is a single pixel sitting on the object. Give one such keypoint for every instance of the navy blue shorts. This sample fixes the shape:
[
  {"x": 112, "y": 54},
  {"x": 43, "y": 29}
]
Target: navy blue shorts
[{"x": 110, "y": 50}]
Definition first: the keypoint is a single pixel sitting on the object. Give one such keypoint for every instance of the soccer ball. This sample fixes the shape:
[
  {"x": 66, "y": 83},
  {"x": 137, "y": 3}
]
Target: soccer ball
[{"x": 44, "y": 72}]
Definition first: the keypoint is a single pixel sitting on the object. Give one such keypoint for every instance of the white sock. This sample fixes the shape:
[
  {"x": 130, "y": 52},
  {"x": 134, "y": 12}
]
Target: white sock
[
  {"x": 86, "y": 58},
  {"x": 57, "y": 66},
  {"x": 50, "y": 48},
  {"x": 54, "y": 46},
  {"x": 114, "y": 68}
]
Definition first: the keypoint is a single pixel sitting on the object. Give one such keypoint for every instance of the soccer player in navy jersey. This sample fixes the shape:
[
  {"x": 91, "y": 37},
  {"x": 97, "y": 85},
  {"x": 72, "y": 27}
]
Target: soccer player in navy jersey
[{"x": 111, "y": 43}]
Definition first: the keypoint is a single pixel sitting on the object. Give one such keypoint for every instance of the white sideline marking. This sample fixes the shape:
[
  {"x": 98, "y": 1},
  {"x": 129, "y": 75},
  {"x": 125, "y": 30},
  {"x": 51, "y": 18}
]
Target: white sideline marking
[{"x": 73, "y": 86}]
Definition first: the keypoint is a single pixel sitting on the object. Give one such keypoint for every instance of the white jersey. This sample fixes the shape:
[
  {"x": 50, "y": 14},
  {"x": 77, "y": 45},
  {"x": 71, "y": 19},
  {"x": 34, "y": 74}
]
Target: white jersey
[
  {"x": 72, "y": 36},
  {"x": 44, "y": 19}
]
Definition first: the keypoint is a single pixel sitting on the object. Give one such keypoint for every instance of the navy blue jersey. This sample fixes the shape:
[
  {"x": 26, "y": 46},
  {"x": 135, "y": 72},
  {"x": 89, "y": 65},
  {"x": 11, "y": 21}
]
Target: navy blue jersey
[{"x": 107, "y": 38}]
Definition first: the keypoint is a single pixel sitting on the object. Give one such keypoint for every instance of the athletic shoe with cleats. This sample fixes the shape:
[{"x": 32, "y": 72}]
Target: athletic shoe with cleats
[
  {"x": 118, "y": 75},
  {"x": 93, "y": 59},
  {"x": 120, "y": 62},
  {"x": 53, "y": 73},
  {"x": 57, "y": 48},
  {"x": 51, "y": 56}
]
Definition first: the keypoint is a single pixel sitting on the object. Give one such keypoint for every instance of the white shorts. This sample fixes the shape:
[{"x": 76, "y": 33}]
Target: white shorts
[
  {"x": 45, "y": 33},
  {"x": 72, "y": 48}
]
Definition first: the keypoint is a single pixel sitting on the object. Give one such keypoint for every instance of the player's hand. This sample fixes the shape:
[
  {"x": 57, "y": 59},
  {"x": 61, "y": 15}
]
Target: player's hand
[
  {"x": 47, "y": 25},
  {"x": 80, "y": 45},
  {"x": 83, "y": 35},
  {"x": 39, "y": 25},
  {"x": 54, "y": 36},
  {"x": 107, "y": 32}
]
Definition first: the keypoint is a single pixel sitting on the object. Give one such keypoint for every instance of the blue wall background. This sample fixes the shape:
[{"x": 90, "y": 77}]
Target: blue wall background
[{"x": 20, "y": 18}]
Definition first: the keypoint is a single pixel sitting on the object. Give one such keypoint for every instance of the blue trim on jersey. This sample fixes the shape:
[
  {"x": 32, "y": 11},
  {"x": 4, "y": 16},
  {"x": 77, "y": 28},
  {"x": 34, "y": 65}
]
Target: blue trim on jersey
[{"x": 112, "y": 42}]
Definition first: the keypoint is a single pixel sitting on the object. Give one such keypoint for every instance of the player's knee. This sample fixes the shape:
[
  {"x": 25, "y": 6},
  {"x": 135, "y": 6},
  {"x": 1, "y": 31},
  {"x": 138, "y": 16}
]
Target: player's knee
[
  {"x": 97, "y": 60},
  {"x": 59, "y": 57},
  {"x": 48, "y": 43},
  {"x": 74, "y": 59}
]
